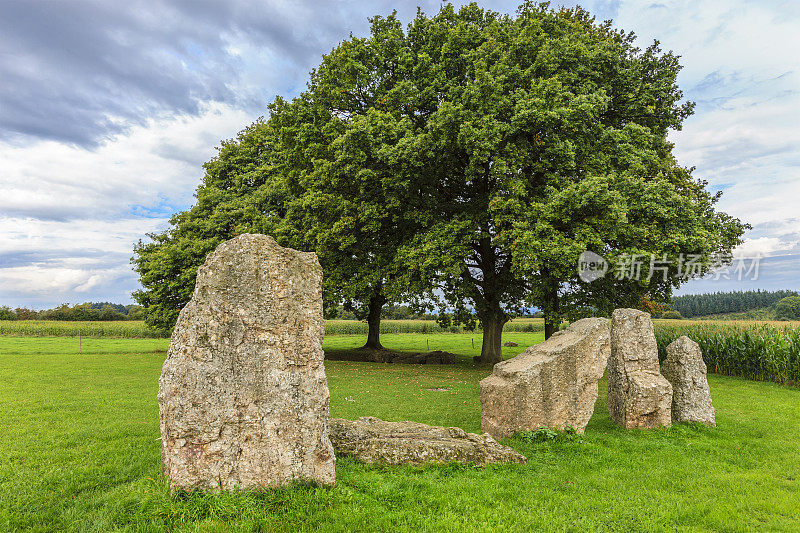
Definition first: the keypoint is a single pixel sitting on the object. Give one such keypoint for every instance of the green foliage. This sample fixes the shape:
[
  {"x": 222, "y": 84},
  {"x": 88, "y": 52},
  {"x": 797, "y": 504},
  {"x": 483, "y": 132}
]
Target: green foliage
[
  {"x": 544, "y": 434},
  {"x": 81, "y": 312},
  {"x": 788, "y": 308},
  {"x": 761, "y": 352},
  {"x": 23, "y": 313},
  {"x": 693, "y": 305},
  {"x": 764, "y": 313},
  {"x": 404, "y": 312},
  {"x": 135, "y": 312},
  {"x": 671, "y": 314}
]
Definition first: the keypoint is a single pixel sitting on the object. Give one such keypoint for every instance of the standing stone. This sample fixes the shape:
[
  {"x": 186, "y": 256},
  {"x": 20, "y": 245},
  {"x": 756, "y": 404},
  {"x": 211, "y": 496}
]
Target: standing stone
[
  {"x": 552, "y": 384},
  {"x": 685, "y": 369},
  {"x": 638, "y": 395},
  {"x": 243, "y": 397}
]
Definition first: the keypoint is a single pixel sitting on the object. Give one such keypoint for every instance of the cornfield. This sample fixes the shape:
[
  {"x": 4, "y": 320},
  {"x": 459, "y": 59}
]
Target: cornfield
[
  {"x": 126, "y": 329},
  {"x": 137, "y": 329},
  {"x": 762, "y": 352}
]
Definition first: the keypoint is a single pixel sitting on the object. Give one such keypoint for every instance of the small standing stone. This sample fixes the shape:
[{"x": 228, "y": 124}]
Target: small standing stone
[
  {"x": 243, "y": 397},
  {"x": 638, "y": 395},
  {"x": 553, "y": 384},
  {"x": 686, "y": 370}
]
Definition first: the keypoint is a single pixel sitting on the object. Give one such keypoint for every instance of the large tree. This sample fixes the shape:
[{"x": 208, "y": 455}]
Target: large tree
[
  {"x": 321, "y": 173},
  {"x": 549, "y": 138}
]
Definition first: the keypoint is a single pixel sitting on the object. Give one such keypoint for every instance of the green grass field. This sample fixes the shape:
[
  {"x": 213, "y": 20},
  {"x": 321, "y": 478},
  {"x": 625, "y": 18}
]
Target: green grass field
[{"x": 79, "y": 450}]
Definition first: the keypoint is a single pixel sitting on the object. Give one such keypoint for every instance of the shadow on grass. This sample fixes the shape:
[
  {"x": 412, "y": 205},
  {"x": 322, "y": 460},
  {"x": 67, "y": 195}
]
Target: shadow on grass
[{"x": 385, "y": 355}]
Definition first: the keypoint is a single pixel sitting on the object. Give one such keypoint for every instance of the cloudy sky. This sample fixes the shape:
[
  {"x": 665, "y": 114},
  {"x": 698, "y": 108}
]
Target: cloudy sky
[{"x": 109, "y": 109}]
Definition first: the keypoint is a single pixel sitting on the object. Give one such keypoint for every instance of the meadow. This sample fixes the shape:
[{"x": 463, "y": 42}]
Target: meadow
[
  {"x": 758, "y": 350},
  {"x": 80, "y": 452}
]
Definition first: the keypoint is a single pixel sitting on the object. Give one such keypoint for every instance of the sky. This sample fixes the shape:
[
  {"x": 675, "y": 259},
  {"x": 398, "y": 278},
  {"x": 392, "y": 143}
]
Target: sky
[{"x": 109, "y": 109}]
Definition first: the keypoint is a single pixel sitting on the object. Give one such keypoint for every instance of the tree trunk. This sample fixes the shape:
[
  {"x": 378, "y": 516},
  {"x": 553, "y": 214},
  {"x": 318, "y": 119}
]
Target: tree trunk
[
  {"x": 374, "y": 322},
  {"x": 552, "y": 318},
  {"x": 491, "y": 350},
  {"x": 549, "y": 328}
]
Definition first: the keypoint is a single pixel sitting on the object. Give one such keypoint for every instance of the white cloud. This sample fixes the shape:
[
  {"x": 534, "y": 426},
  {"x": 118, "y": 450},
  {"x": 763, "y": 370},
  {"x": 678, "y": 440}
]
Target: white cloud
[
  {"x": 157, "y": 163},
  {"x": 70, "y": 215},
  {"x": 46, "y": 262},
  {"x": 761, "y": 247}
]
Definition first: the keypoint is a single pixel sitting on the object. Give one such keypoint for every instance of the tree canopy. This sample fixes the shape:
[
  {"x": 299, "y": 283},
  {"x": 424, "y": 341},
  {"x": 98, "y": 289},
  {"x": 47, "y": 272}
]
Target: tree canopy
[
  {"x": 465, "y": 162},
  {"x": 550, "y": 139},
  {"x": 788, "y": 308}
]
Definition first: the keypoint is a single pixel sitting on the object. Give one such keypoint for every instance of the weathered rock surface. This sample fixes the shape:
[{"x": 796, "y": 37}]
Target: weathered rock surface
[
  {"x": 243, "y": 397},
  {"x": 373, "y": 440},
  {"x": 685, "y": 369},
  {"x": 638, "y": 395},
  {"x": 552, "y": 384}
]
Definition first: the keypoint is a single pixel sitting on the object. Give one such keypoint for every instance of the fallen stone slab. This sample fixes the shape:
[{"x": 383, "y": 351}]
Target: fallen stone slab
[
  {"x": 553, "y": 384},
  {"x": 638, "y": 395},
  {"x": 376, "y": 441},
  {"x": 685, "y": 369},
  {"x": 243, "y": 397}
]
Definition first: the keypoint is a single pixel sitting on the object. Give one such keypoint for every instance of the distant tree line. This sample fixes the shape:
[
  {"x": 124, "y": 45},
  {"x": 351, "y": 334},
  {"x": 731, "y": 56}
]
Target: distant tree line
[
  {"x": 788, "y": 308},
  {"x": 693, "y": 305},
  {"x": 89, "y": 311}
]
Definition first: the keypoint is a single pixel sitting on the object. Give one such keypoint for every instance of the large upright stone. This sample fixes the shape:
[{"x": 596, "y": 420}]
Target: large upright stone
[
  {"x": 552, "y": 384},
  {"x": 685, "y": 369},
  {"x": 638, "y": 395},
  {"x": 243, "y": 397}
]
